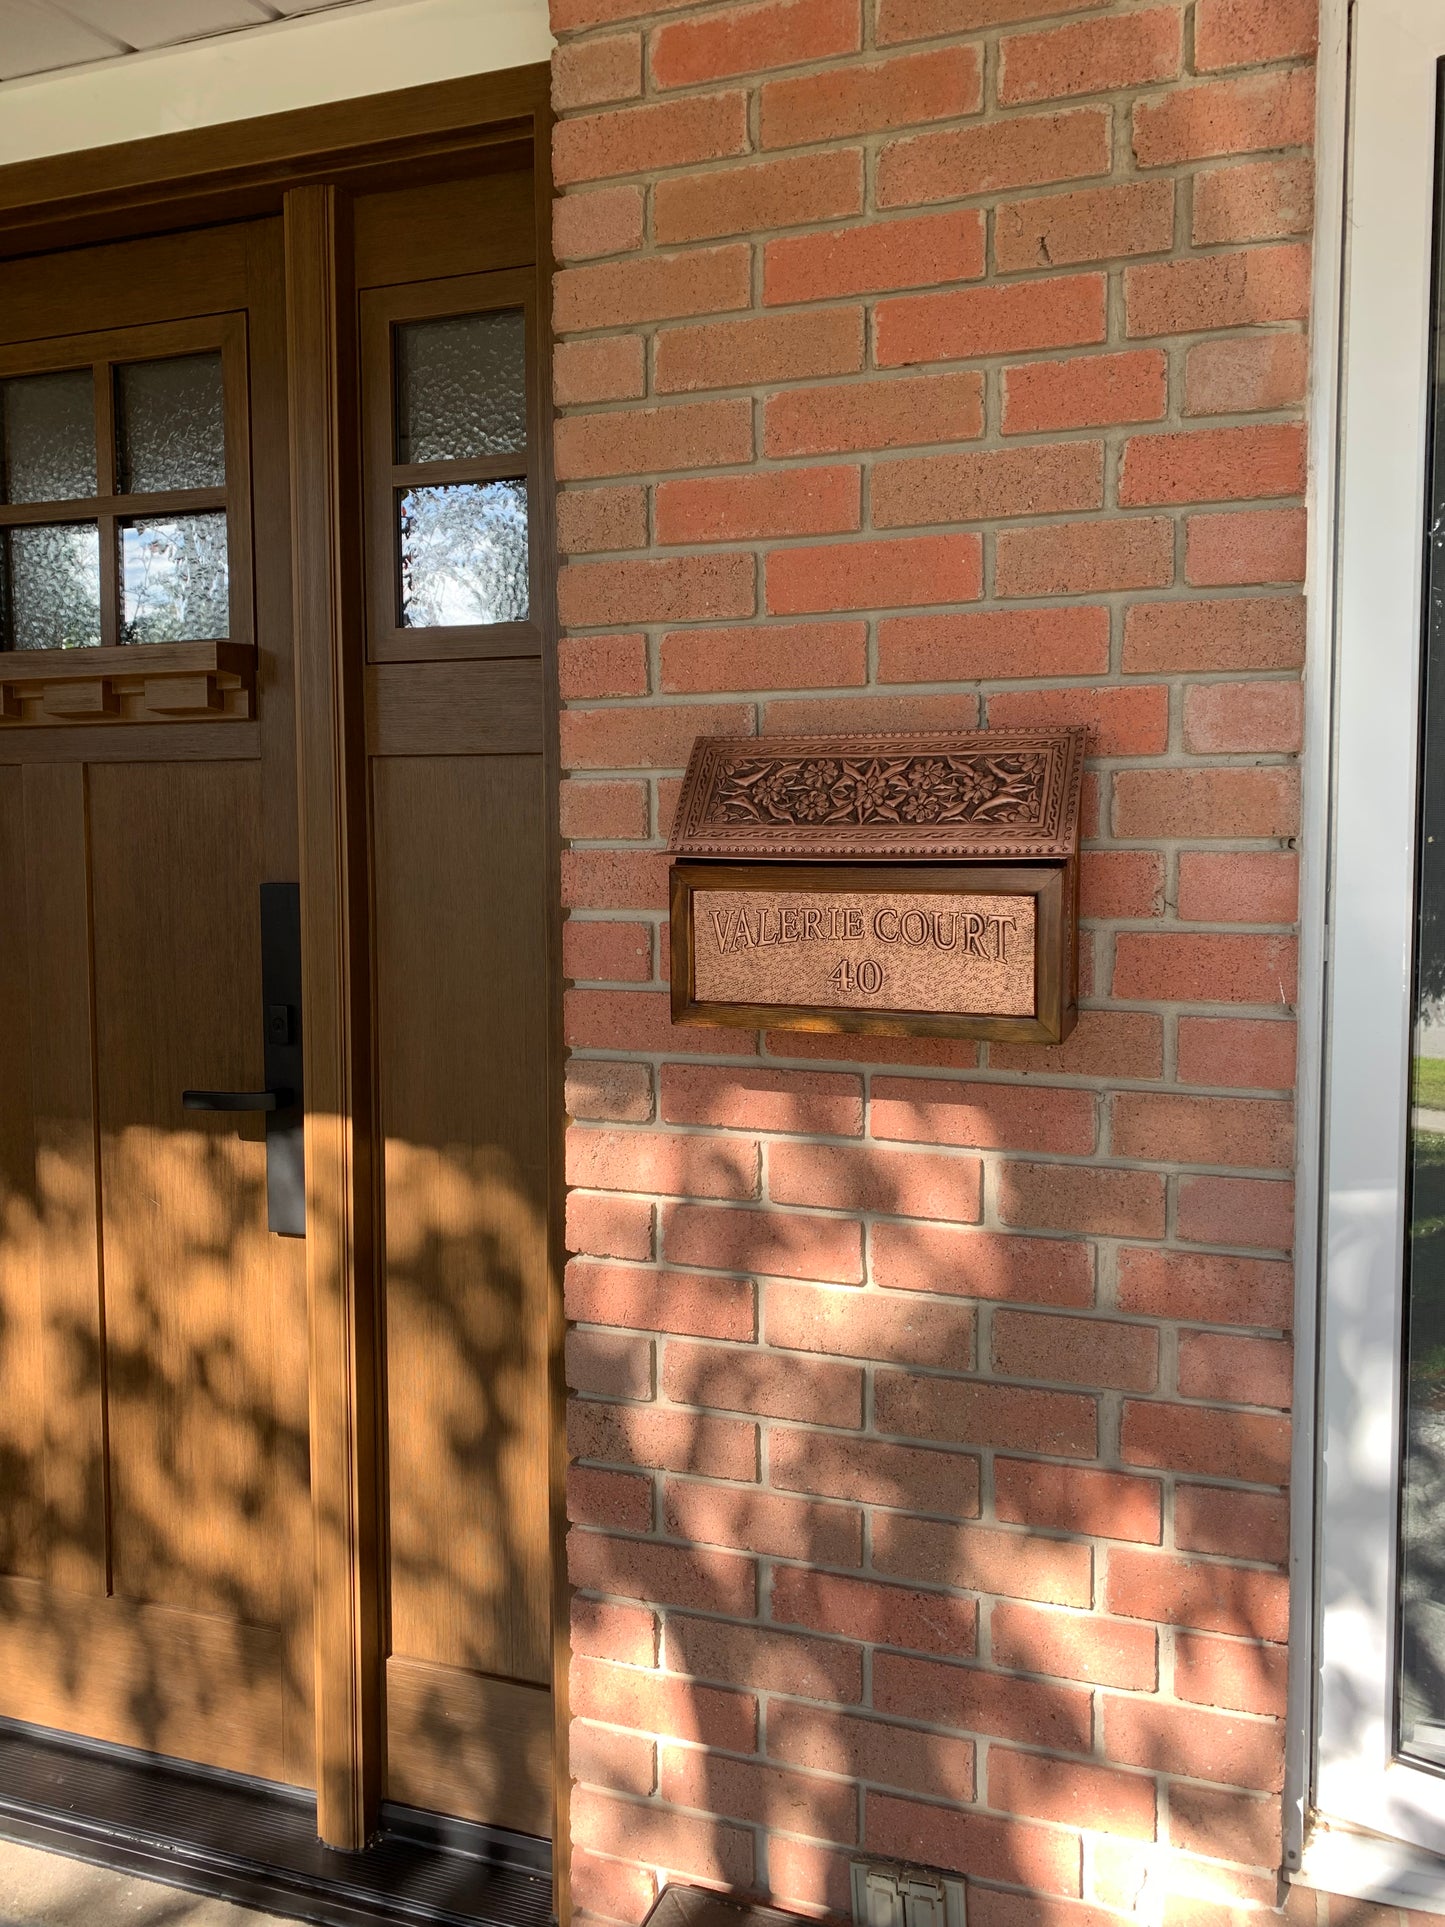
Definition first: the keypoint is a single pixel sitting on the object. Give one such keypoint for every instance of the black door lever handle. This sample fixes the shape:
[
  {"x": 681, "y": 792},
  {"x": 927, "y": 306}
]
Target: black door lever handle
[{"x": 237, "y": 1100}]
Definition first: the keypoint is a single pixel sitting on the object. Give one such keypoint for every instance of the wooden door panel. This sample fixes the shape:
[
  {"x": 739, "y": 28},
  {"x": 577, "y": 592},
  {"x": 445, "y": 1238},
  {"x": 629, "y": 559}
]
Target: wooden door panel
[
  {"x": 461, "y": 925},
  {"x": 480, "y": 1748}
]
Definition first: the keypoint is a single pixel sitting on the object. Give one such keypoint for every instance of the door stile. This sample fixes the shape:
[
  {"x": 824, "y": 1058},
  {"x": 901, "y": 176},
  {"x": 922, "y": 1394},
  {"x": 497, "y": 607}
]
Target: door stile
[{"x": 341, "y": 1245}]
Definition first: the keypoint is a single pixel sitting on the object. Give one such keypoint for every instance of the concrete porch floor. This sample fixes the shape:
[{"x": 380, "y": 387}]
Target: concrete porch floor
[{"x": 48, "y": 1890}]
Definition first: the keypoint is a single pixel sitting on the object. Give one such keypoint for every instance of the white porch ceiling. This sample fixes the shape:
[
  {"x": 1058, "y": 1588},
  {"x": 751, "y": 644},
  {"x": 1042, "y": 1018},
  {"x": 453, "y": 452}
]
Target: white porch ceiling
[{"x": 39, "y": 36}]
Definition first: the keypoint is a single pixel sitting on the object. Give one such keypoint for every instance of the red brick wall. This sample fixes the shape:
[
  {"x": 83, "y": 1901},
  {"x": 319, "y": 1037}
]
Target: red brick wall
[{"x": 928, "y": 362}]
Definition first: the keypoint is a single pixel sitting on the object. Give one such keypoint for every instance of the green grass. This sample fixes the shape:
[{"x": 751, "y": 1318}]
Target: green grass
[{"x": 1430, "y": 1082}]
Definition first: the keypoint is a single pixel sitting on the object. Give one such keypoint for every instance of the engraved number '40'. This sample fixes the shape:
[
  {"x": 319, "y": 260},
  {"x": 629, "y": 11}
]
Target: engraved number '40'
[{"x": 866, "y": 975}]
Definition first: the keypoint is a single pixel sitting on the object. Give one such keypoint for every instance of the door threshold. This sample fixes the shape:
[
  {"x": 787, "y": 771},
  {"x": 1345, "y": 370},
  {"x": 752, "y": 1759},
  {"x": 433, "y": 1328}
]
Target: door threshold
[{"x": 255, "y": 1842}]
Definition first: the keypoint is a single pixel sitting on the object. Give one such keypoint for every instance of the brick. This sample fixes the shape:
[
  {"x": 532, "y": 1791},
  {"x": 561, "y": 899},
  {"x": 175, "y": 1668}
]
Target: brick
[
  {"x": 892, "y": 1616},
  {"x": 1094, "y": 1200},
  {"x": 621, "y": 1762},
  {"x": 1219, "y": 1444},
  {"x": 569, "y": 16},
  {"x": 683, "y": 588},
  {"x": 1010, "y": 318},
  {"x": 690, "y": 1166},
  {"x": 769, "y": 349},
  {"x": 611, "y": 1889},
  {"x": 667, "y": 1441},
  {"x": 956, "y": 1412},
  {"x": 792, "y": 1802},
  {"x": 906, "y": 1184},
  {"x": 609, "y": 370},
  {"x": 1107, "y": 1043},
  {"x": 1248, "y": 547},
  {"x": 805, "y": 1875},
  {"x": 994, "y": 644},
  {"x": 638, "y": 140},
  {"x": 874, "y": 257},
  {"x": 1226, "y": 718},
  {"x": 981, "y": 1264},
  {"x": 633, "y": 1020},
  {"x": 1198, "y": 1744},
  {"x": 727, "y": 508},
  {"x": 642, "y": 441},
  {"x": 609, "y": 1227},
  {"x": 979, "y": 1845},
  {"x": 1252, "y": 1053},
  {"x": 1233, "y": 886},
  {"x": 870, "y": 1325},
  {"x": 1225, "y": 1826},
  {"x": 1198, "y": 803},
  {"x": 1242, "y": 632},
  {"x": 662, "y": 1301},
  {"x": 780, "y": 1245},
  {"x": 1043, "y": 1788},
  {"x": 874, "y": 1473},
  {"x": 1246, "y": 33},
  {"x": 603, "y": 1088},
  {"x": 760, "y": 1100},
  {"x": 1246, "y": 1678},
  {"x": 778, "y": 33},
  {"x": 1248, "y": 288},
  {"x": 601, "y": 518},
  {"x": 719, "y": 1582},
  {"x": 619, "y": 1500},
  {"x": 656, "y": 738},
  {"x": 779, "y": 655},
  {"x": 930, "y": 19},
  {"x": 810, "y": 716},
  {"x": 770, "y": 1661},
  {"x": 1085, "y": 558},
  {"x": 1085, "y": 391},
  {"x": 1120, "y": 722},
  {"x": 816, "y": 1391},
  {"x": 1042, "y": 479},
  {"x": 614, "y": 879},
  {"x": 1237, "y": 1371},
  {"x": 654, "y": 1703},
  {"x": 626, "y": 1634},
  {"x": 1091, "y": 56},
  {"x": 607, "y": 221},
  {"x": 1073, "y": 1645},
  {"x": 983, "y": 1116},
  {"x": 840, "y": 102},
  {"x": 1237, "y": 1211},
  {"x": 752, "y": 1521},
  {"x": 1236, "y": 1525},
  {"x": 757, "y": 197},
  {"x": 900, "y": 573},
  {"x": 1247, "y": 1133},
  {"x": 604, "y": 666},
  {"x": 609, "y": 1365},
  {"x": 1253, "y": 114},
  {"x": 1031, "y": 150},
  {"x": 1206, "y": 1290},
  {"x": 1251, "y": 373},
  {"x": 900, "y": 411},
  {"x": 1213, "y": 465},
  {"x": 1035, "y": 1712},
  {"x": 1253, "y": 201},
  {"x": 1091, "y": 224},
  {"x": 655, "y": 1837},
  {"x": 871, "y": 1751},
  {"x": 586, "y": 73},
  {"x": 607, "y": 953},
  {"x": 1204, "y": 969},
  {"x": 1098, "y": 1353}
]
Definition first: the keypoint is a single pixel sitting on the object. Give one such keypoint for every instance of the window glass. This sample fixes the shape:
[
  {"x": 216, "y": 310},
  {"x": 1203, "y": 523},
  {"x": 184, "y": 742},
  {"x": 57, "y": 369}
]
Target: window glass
[
  {"x": 175, "y": 579},
  {"x": 47, "y": 437},
  {"x": 50, "y": 586},
  {"x": 463, "y": 554},
  {"x": 170, "y": 424},
  {"x": 461, "y": 387}
]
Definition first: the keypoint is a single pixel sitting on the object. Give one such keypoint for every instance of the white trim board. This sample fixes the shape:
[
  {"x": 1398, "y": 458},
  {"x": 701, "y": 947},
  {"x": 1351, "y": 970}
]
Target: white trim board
[{"x": 343, "y": 53}]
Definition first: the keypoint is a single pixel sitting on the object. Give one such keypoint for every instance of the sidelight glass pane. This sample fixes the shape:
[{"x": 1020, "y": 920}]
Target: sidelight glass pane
[
  {"x": 50, "y": 586},
  {"x": 175, "y": 579},
  {"x": 463, "y": 555},
  {"x": 461, "y": 387},
  {"x": 170, "y": 424},
  {"x": 47, "y": 437}
]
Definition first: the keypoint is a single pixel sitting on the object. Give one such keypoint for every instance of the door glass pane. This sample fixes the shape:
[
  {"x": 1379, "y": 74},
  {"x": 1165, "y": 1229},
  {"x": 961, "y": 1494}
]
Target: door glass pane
[
  {"x": 461, "y": 389},
  {"x": 175, "y": 579},
  {"x": 50, "y": 586},
  {"x": 463, "y": 555},
  {"x": 170, "y": 424},
  {"x": 48, "y": 446}
]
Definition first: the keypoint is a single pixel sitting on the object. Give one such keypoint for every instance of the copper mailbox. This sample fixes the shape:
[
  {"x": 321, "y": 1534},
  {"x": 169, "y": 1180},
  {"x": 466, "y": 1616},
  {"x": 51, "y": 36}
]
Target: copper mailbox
[{"x": 907, "y": 885}]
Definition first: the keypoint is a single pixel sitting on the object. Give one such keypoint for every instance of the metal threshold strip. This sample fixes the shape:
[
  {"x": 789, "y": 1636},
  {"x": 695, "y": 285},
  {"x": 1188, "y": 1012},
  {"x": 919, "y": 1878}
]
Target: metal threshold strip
[{"x": 254, "y": 1842}]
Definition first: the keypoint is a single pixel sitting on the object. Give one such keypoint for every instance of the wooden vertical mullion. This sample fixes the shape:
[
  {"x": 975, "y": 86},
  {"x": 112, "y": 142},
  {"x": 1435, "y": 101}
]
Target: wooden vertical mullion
[{"x": 341, "y": 1245}]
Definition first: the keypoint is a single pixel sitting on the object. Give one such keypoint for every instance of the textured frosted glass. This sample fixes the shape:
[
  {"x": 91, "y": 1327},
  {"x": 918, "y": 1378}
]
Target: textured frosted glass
[
  {"x": 50, "y": 586},
  {"x": 175, "y": 579},
  {"x": 461, "y": 387},
  {"x": 170, "y": 424},
  {"x": 48, "y": 424},
  {"x": 463, "y": 555}
]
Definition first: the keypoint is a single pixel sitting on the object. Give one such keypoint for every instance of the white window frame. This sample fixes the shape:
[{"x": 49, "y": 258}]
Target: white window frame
[{"x": 1358, "y": 1783}]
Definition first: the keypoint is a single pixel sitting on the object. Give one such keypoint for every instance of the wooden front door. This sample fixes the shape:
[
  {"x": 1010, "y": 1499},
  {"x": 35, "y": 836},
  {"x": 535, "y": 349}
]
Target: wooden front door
[{"x": 280, "y": 1505}]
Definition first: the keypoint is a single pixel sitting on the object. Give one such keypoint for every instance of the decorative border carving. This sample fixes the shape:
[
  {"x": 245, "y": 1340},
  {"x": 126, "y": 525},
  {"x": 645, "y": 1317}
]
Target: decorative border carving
[{"x": 975, "y": 794}]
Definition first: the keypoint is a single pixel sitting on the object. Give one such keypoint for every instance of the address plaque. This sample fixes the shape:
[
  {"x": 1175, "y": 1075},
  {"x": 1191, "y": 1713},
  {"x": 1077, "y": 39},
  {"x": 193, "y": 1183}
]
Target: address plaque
[{"x": 899, "y": 884}]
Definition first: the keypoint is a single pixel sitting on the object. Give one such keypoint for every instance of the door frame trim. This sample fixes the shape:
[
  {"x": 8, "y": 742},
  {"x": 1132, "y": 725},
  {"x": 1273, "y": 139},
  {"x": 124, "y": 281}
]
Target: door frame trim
[{"x": 302, "y": 165}]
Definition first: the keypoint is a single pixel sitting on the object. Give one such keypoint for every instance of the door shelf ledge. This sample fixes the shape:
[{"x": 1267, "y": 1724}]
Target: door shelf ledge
[{"x": 144, "y": 683}]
